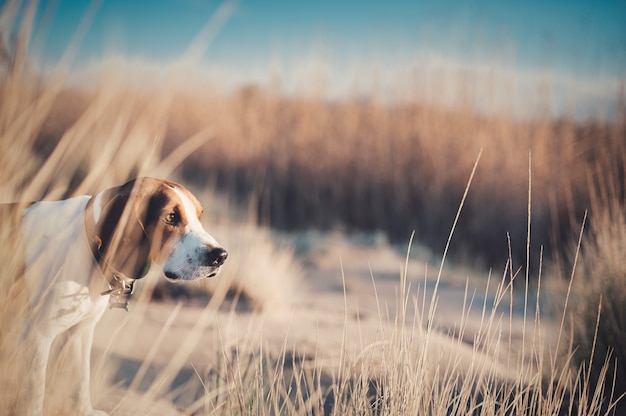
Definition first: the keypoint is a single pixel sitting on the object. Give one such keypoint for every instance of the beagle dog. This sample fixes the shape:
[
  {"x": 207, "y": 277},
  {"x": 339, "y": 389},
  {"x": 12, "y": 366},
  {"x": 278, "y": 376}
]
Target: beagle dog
[{"x": 85, "y": 253}]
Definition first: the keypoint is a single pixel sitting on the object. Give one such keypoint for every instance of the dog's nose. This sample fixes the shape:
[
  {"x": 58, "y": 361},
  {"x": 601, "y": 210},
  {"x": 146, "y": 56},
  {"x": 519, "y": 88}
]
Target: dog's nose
[{"x": 216, "y": 257}]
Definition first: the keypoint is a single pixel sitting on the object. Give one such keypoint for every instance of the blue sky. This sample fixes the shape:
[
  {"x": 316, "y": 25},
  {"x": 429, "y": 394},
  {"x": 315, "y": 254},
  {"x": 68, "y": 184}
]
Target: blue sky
[{"x": 575, "y": 39}]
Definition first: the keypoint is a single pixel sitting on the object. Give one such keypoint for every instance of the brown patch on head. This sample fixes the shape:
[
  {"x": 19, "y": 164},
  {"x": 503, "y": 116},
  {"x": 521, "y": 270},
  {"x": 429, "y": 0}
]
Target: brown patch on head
[
  {"x": 189, "y": 195},
  {"x": 139, "y": 223},
  {"x": 164, "y": 218}
]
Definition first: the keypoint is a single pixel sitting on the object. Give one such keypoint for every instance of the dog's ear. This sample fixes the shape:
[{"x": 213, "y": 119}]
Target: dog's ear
[{"x": 121, "y": 237}]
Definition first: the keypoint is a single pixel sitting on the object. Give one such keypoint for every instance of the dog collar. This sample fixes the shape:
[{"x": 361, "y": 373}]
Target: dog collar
[{"x": 121, "y": 287}]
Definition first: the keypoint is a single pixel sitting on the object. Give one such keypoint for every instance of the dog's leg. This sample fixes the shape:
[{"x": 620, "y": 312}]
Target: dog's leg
[
  {"x": 80, "y": 344},
  {"x": 33, "y": 398}
]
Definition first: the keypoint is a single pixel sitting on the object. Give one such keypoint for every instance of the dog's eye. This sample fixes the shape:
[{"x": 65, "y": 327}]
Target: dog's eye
[{"x": 172, "y": 218}]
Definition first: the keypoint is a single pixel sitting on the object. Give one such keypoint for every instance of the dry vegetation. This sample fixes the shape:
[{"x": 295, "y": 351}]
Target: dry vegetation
[
  {"x": 308, "y": 163},
  {"x": 363, "y": 165}
]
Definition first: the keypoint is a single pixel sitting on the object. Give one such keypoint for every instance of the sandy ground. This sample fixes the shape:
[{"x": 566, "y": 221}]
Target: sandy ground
[{"x": 156, "y": 335}]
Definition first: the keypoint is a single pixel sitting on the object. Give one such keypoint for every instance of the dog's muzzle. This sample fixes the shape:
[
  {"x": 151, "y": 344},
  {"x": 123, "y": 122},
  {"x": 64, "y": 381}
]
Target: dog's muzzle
[{"x": 205, "y": 264}]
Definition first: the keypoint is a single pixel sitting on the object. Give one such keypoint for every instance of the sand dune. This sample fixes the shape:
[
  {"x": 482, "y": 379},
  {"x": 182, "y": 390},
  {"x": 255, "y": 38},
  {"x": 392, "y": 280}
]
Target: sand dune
[{"x": 320, "y": 326}]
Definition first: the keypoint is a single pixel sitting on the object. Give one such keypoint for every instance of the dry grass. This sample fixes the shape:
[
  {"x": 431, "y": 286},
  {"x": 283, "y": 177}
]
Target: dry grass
[
  {"x": 305, "y": 163},
  {"x": 597, "y": 318},
  {"x": 369, "y": 166}
]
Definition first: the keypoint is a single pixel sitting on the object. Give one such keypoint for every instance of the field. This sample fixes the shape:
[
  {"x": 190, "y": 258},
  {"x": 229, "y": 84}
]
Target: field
[{"x": 384, "y": 259}]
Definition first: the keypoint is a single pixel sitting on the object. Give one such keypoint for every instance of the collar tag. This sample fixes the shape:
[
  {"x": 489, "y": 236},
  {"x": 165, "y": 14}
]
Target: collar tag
[{"x": 120, "y": 289}]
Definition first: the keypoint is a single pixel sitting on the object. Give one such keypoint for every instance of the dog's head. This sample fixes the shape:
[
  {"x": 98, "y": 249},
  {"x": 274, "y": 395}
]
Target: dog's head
[{"x": 149, "y": 221}]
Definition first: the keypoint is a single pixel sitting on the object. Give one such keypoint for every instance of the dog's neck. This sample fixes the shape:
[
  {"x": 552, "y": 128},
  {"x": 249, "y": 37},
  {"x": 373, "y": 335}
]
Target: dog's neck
[{"x": 121, "y": 286}]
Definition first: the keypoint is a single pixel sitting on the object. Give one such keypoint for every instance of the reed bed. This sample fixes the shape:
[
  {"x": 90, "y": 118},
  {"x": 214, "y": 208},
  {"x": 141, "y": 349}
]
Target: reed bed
[
  {"x": 301, "y": 163},
  {"x": 364, "y": 165}
]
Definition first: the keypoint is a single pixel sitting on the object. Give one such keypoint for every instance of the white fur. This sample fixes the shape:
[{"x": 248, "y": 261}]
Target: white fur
[{"x": 97, "y": 207}]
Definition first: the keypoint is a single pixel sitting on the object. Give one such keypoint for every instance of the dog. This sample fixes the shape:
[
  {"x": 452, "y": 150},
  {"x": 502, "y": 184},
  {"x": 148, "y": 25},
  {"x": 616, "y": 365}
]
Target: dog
[{"x": 85, "y": 253}]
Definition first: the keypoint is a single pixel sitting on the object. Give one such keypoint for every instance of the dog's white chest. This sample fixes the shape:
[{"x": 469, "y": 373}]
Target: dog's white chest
[{"x": 69, "y": 304}]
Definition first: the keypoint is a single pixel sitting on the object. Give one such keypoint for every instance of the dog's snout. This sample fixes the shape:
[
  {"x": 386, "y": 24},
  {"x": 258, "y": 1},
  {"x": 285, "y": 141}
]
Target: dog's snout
[{"x": 216, "y": 257}]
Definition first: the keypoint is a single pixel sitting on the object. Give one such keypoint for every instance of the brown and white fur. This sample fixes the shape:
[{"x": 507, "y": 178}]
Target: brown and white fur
[{"x": 82, "y": 252}]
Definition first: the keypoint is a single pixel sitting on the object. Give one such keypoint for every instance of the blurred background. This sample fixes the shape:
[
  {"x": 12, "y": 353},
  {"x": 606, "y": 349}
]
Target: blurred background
[
  {"x": 523, "y": 58},
  {"x": 356, "y": 116}
]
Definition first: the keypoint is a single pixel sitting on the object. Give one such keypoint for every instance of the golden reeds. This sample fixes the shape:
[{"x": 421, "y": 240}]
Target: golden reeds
[{"x": 311, "y": 163}]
